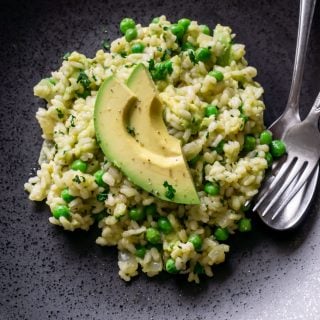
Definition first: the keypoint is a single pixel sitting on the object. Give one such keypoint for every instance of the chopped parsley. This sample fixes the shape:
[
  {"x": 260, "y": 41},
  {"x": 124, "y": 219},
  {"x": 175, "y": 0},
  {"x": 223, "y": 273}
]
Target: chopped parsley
[
  {"x": 219, "y": 147},
  {"x": 84, "y": 94},
  {"x": 78, "y": 179},
  {"x": 72, "y": 124},
  {"x": 123, "y": 54},
  {"x": 66, "y": 56},
  {"x": 60, "y": 113},
  {"x": 167, "y": 55},
  {"x": 52, "y": 81},
  {"x": 170, "y": 190},
  {"x": 83, "y": 79},
  {"x": 192, "y": 56},
  {"x": 106, "y": 45},
  {"x": 101, "y": 197},
  {"x": 99, "y": 216}
]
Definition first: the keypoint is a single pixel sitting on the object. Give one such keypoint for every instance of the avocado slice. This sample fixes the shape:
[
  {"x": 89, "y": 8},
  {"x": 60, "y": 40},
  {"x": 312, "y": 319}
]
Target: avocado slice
[
  {"x": 152, "y": 170},
  {"x": 146, "y": 115}
]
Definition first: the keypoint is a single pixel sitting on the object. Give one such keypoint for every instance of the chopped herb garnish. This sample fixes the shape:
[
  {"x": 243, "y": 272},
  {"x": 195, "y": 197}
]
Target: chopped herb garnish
[
  {"x": 123, "y": 54},
  {"x": 219, "y": 147},
  {"x": 83, "y": 79},
  {"x": 151, "y": 64},
  {"x": 76, "y": 179},
  {"x": 192, "y": 56},
  {"x": 52, "y": 81},
  {"x": 84, "y": 94},
  {"x": 170, "y": 190},
  {"x": 99, "y": 216},
  {"x": 194, "y": 160},
  {"x": 106, "y": 45},
  {"x": 167, "y": 55},
  {"x": 66, "y": 56},
  {"x": 60, "y": 113},
  {"x": 101, "y": 197},
  {"x": 72, "y": 124}
]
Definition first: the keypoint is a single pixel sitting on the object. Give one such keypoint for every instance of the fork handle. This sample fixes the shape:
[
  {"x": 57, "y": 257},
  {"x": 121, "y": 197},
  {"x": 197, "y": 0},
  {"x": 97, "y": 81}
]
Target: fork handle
[
  {"x": 313, "y": 115},
  {"x": 305, "y": 21}
]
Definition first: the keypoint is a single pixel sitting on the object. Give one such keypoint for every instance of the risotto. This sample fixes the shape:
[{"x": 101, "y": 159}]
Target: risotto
[{"x": 211, "y": 104}]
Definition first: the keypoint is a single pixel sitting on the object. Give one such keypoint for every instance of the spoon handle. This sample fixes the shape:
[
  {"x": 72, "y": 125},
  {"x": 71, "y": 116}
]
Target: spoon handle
[{"x": 305, "y": 21}]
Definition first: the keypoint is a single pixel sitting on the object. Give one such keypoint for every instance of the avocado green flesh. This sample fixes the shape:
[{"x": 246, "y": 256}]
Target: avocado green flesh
[
  {"x": 146, "y": 117},
  {"x": 146, "y": 168}
]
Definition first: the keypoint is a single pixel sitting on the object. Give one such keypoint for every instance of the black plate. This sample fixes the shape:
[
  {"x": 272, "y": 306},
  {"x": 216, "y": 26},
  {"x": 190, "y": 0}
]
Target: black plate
[{"x": 47, "y": 273}]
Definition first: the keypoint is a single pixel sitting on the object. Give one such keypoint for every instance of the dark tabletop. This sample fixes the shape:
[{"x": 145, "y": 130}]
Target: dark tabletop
[{"x": 47, "y": 273}]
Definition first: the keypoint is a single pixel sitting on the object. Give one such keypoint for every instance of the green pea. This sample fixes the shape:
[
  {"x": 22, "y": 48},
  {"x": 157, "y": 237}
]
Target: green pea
[
  {"x": 196, "y": 240},
  {"x": 126, "y": 24},
  {"x": 203, "y": 54},
  {"x": 136, "y": 214},
  {"x": 216, "y": 74},
  {"x": 187, "y": 46},
  {"x": 61, "y": 211},
  {"x": 140, "y": 251},
  {"x": 137, "y": 48},
  {"x": 79, "y": 165},
  {"x": 205, "y": 29},
  {"x": 155, "y": 20},
  {"x": 266, "y": 137},
  {"x": 219, "y": 147},
  {"x": 211, "y": 110},
  {"x": 184, "y": 22},
  {"x": 245, "y": 225},
  {"x": 177, "y": 30},
  {"x": 212, "y": 188},
  {"x": 153, "y": 236},
  {"x": 249, "y": 143},
  {"x": 277, "y": 148},
  {"x": 171, "y": 266},
  {"x": 221, "y": 234},
  {"x": 164, "y": 225},
  {"x": 269, "y": 159},
  {"x": 198, "y": 269},
  {"x": 98, "y": 178},
  {"x": 66, "y": 196},
  {"x": 131, "y": 34},
  {"x": 151, "y": 209}
]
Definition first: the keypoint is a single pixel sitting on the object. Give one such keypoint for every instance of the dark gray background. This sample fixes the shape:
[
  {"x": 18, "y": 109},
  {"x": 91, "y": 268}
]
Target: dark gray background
[{"x": 46, "y": 273}]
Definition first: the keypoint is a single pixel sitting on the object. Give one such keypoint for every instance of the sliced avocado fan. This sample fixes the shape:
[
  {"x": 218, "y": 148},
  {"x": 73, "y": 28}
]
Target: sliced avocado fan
[
  {"x": 154, "y": 160},
  {"x": 144, "y": 118}
]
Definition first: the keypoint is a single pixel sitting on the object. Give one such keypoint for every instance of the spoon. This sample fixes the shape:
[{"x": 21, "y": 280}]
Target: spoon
[{"x": 295, "y": 210}]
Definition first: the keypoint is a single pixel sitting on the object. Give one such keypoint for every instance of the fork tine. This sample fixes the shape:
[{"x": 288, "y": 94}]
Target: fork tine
[
  {"x": 266, "y": 191},
  {"x": 298, "y": 166},
  {"x": 302, "y": 180}
]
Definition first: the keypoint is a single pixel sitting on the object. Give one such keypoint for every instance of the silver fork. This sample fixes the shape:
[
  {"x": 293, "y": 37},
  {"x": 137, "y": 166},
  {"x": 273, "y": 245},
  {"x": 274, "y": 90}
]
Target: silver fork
[
  {"x": 292, "y": 214},
  {"x": 303, "y": 153}
]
